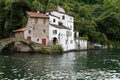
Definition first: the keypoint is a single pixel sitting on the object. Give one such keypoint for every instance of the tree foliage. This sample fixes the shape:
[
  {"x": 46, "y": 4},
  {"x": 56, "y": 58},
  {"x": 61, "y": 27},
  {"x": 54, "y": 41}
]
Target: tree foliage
[{"x": 99, "y": 20}]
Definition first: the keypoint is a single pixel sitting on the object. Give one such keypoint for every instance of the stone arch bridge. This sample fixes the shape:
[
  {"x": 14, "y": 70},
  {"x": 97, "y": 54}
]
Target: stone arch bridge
[{"x": 5, "y": 42}]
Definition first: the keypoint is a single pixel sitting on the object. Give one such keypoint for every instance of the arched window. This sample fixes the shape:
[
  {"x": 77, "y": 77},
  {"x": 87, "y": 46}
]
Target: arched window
[{"x": 29, "y": 31}]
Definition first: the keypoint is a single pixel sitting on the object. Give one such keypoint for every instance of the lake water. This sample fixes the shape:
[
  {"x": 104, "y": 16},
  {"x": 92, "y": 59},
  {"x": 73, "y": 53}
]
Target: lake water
[{"x": 83, "y": 65}]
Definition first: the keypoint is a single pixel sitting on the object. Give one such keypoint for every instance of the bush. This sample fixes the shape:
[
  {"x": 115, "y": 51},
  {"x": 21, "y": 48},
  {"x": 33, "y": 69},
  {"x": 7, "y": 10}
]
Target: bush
[
  {"x": 84, "y": 38},
  {"x": 43, "y": 49},
  {"x": 115, "y": 44},
  {"x": 31, "y": 43},
  {"x": 54, "y": 48}
]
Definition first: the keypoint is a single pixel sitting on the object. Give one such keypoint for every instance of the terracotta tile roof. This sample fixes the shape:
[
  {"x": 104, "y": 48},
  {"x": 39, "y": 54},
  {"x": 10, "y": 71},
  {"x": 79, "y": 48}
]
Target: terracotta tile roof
[
  {"x": 60, "y": 26},
  {"x": 35, "y": 14},
  {"x": 22, "y": 29}
]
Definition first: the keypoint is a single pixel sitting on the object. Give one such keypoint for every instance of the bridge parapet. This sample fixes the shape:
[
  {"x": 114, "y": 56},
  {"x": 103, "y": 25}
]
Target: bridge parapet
[{"x": 7, "y": 41}]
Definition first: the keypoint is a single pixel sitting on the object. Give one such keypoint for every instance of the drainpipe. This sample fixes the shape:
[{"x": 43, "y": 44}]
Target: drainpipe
[{"x": 67, "y": 42}]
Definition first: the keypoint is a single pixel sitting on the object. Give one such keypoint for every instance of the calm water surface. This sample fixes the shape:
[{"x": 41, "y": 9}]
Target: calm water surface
[{"x": 91, "y": 65}]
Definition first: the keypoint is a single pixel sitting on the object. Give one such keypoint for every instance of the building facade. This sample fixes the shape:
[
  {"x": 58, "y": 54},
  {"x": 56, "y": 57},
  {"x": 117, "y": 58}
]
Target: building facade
[
  {"x": 53, "y": 28},
  {"x": 61, "y": 26},
  {"x": 36, "y": 29}
]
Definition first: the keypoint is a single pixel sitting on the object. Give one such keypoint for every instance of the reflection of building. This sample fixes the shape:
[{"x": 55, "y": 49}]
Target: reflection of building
[{"x": 53, "y": 28}]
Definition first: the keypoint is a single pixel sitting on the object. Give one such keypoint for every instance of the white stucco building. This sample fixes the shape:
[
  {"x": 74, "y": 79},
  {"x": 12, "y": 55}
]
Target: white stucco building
[
  {"x": 53, "y": 28},
  {"x": 61, "y": 26}
]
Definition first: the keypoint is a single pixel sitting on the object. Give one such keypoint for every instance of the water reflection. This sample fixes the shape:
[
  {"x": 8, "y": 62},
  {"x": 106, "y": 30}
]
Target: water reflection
[
  {"x": 103, "y": 60},
  {"x": 82, "y": 65}
]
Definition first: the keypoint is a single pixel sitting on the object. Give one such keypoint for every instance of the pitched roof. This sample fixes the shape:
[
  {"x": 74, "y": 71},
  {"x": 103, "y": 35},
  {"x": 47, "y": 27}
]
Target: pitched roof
[
  {"x": 22, "y": 29},
  {"x": 37, "y": 14},
  {"x": 55, "y": 16},
  {"x": 60, "y": 26},
  {"x": 49, "y": 10},
  {"x": 58, "y": 8}
]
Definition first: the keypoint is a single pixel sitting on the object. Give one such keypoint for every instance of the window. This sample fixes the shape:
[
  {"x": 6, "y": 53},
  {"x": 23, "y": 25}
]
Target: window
[
  {"x": 53, "y": 20},
  {"x": 33, "y": 28},
  {"x": 44, "y": 30},
  {"x": 44, "y": 21},
  {"x": 70, "y": 27},
  {"x": 54, "y": 31},
  {"x": 29, "y": 31},
  {"x": 63, "y": 17},
  {"x": 66, "y": 42},
  {"x": 60, "y": 23},
  {"x": 36, "y": 20}
]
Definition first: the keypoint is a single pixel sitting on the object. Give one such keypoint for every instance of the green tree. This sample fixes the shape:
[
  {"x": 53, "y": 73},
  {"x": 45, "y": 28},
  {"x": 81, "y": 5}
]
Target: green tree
[
  {"x": 11, "y": 16},
  {"x": 37, "y": 6}
]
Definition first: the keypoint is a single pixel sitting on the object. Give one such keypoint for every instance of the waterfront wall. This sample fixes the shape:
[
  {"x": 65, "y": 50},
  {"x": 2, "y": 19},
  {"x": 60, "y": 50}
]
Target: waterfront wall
[{"x": 80, "y": 44}]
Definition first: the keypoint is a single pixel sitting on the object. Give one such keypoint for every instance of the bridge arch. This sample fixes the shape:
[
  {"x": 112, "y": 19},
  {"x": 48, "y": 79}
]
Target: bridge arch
[{"x": 7, "y": 41}]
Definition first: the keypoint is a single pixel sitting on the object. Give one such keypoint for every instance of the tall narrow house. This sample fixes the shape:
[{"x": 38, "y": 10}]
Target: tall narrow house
[
  {"x": 61, "y": 26},
  {"x": 36, "y": 29}
]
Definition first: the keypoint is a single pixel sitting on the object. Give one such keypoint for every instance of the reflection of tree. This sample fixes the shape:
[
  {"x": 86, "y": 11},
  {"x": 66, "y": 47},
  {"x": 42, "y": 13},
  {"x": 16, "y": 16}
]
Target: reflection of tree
[
  {"x": 12, "y": 67},
  {"x": 94, "y": 60},
  {"x": 19, "y": 66},
  {"x": 102, "y": 60},
  {"x": 80, "y": 61}
]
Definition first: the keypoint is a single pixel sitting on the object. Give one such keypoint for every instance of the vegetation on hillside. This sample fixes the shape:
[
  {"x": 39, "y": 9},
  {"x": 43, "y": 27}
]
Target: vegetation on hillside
[{"x": 99, "y": 20}]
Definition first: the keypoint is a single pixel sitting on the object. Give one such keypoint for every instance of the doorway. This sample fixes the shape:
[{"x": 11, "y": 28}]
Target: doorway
[
  {"x": 29, "y": 38},
  {"x": 54, "y": 40},
  {"x": 43, "y": 41}
]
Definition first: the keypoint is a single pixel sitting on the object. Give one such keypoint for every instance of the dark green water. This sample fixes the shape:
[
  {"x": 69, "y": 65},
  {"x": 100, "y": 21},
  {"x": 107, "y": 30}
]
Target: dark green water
[{"x": 91, "y": 65}]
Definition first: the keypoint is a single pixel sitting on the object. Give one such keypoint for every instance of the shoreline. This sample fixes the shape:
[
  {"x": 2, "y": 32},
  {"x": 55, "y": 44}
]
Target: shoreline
[
  {"x": 54, "y": 50},
  {"x": 61, "y": 52}
]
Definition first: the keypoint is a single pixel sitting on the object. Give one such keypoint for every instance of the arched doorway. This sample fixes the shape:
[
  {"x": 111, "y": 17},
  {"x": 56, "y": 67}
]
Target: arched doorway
[{"x": 55, "y": 40}]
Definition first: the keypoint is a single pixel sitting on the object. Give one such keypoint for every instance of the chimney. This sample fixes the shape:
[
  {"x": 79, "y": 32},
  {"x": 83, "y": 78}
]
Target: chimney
[{"x": 38, "y": 11}]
